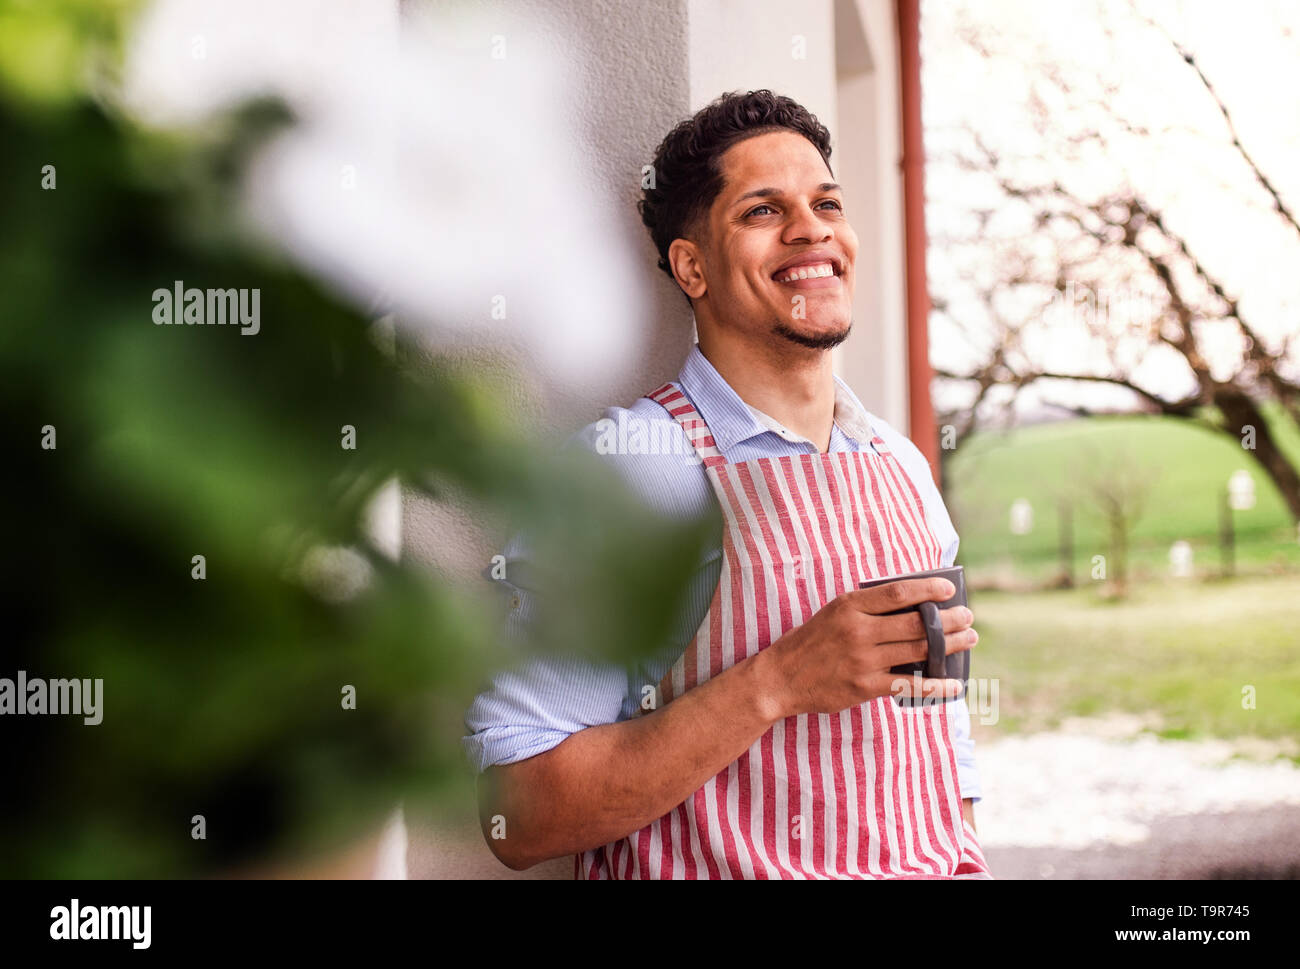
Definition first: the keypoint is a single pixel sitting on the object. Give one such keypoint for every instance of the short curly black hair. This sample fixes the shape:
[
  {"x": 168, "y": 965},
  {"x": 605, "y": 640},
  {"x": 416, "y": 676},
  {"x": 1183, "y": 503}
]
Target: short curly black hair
[{"x": 687, "y": 172}]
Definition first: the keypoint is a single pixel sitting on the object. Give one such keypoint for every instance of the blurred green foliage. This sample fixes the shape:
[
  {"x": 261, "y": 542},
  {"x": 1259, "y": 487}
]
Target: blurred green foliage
[{"x": 222, "y": 696}]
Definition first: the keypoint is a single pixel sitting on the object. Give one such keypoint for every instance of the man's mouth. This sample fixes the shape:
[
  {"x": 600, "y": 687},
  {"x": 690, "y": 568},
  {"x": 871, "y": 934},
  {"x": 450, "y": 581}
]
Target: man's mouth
[
  {"x": 820, "y": 270},
  {"x": 811, "y": 271}
]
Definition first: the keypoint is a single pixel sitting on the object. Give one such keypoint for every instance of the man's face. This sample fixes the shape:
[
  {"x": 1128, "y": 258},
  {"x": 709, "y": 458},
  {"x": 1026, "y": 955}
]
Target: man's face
[{"x": 779, "y": 217}]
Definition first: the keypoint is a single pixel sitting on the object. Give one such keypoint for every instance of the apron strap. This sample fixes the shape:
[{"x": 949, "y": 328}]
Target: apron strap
[{"x": 684, "y": 413}]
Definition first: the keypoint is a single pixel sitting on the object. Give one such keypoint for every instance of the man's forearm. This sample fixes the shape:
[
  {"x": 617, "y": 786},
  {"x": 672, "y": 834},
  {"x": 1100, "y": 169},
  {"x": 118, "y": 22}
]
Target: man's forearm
[
  {"x": 968, "y": 812},
  {"x": 605, "y": 782}
]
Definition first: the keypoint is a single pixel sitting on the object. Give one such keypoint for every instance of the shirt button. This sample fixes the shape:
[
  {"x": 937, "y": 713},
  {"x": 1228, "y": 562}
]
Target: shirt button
[{"x": 515, "y": 601}]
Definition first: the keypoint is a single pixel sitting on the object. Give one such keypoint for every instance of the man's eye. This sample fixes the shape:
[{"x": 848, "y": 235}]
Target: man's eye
[{"x": 757, "y": 209}]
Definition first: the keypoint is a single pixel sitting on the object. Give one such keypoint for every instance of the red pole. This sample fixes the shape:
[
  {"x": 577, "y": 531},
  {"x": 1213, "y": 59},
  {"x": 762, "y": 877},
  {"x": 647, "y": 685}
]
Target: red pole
[{"x": 921, "y": 426}]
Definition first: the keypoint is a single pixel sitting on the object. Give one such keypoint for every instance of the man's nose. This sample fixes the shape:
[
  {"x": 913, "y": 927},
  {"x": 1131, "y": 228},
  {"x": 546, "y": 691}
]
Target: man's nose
[{"x": 807, "y": 225}]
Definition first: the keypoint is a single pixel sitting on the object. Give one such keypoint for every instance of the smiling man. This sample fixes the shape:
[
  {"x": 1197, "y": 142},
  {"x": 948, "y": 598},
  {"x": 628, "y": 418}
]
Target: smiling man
[{"x": 766, "y": 740}]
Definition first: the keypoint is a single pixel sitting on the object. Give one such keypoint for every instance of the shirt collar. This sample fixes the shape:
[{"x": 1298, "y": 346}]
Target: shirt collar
[{"x": 731, "y": 420}]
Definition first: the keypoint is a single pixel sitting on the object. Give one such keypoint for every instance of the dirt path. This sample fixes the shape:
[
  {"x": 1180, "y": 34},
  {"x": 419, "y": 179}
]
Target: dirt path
[
  {"x": 1103, "y": 798},
  {"x": 1263, "y": 843}
]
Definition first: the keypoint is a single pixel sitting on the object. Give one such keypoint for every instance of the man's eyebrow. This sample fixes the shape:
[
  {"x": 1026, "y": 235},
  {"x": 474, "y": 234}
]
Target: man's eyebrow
[{"x": 775, "y": 192}]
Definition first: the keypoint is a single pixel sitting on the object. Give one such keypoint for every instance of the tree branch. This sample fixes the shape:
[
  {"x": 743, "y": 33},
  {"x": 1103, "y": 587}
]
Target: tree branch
[
  {"x": 1263, "y": 179},
  {"x": 1178, "y": 408}
]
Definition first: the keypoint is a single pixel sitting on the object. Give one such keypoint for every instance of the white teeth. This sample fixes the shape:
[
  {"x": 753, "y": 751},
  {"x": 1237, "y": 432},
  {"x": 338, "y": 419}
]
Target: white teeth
[{"x": 808, "y": 272}]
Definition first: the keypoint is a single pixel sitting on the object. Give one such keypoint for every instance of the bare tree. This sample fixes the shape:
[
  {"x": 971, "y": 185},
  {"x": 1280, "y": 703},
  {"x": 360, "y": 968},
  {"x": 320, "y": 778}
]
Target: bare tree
[
  {"x": 1069, "y": 250},
  {"x": 1116, "y": 484}
]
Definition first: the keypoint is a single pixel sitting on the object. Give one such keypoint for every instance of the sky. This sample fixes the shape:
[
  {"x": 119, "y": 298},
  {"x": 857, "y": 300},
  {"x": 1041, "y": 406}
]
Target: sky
[{"x": 1185, "y": 166}]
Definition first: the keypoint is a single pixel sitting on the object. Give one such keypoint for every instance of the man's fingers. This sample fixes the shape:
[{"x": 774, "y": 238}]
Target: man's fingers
[
  {"x": 914, "y": 651},
  {"x": 904, "y": 628},
  {"x": 924, "y": 687},
  {"x": 881, "y": 599}
]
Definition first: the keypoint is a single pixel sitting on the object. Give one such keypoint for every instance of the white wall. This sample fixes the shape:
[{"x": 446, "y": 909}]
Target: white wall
[
  {"x": 631, "y": 65},
  {"x": 873, "y": 361},
  {"x": 742, "y": 45},
  {"x": 839, "y": 59}
]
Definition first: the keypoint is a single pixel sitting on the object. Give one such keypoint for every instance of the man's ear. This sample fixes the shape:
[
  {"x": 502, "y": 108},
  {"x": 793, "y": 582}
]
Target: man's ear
[{"x": 688, "y": 267}]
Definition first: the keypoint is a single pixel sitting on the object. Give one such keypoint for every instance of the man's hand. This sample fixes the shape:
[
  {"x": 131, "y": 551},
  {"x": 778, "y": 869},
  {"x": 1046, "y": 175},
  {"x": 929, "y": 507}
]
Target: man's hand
[
  {"x": 841, "y": 657},
  {"x": 968, "y": 812}
]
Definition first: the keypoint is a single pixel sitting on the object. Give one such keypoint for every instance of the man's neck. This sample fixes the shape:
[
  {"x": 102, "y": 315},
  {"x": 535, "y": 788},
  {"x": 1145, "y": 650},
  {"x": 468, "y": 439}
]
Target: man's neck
[{"x": 795, "y": 387}]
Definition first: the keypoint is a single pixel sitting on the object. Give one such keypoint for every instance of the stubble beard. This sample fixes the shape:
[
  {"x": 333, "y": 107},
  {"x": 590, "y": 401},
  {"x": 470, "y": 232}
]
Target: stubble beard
[{"x": 824, "y": 341}]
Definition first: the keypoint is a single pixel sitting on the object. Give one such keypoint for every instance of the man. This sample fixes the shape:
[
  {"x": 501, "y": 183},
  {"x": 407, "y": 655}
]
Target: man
[{"x": 765, "y": 742}]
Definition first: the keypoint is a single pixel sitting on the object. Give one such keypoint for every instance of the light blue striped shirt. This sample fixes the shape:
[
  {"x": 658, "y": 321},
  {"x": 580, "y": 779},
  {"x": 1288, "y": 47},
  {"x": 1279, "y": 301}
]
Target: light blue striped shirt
[{"x": 530, "y": 709}]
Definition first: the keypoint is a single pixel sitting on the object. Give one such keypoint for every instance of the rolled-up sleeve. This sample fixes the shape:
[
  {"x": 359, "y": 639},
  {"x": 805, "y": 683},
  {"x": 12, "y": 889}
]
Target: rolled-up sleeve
[
  {"x": 529, "y": 711},
  {"x": 543, "y": 700}
]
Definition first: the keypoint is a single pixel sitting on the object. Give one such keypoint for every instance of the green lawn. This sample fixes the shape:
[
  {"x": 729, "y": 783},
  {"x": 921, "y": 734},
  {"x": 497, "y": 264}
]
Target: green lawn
[
  {"x": 1183, "y": 649},
  {"x": 1045, "y": 464}
]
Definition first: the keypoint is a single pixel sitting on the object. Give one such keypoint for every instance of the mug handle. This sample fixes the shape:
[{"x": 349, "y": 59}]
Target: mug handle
[{"x": 937, "y": 667}]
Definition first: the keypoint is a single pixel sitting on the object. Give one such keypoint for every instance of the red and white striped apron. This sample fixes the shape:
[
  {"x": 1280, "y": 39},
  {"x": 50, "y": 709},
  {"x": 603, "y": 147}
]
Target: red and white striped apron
[{"x": 870, "y": 792}]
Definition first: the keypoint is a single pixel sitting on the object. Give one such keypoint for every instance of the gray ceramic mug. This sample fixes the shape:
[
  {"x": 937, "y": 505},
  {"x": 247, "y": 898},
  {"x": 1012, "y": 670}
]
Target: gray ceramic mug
[{"x": 939, "y": 664}]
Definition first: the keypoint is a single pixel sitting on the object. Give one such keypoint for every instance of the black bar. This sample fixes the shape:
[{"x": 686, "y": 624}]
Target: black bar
[{"x": 441, "y": 920}]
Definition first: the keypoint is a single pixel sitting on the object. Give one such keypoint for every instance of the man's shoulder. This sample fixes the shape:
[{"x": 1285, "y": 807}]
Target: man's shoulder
[
  {"x": 600, "y": 436},
  {"x": 650, "y": 451},
  {"x": 642, "y": 429},
  {"x": 886, "y": 430},
  {"x": 900, "y": 444}
]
